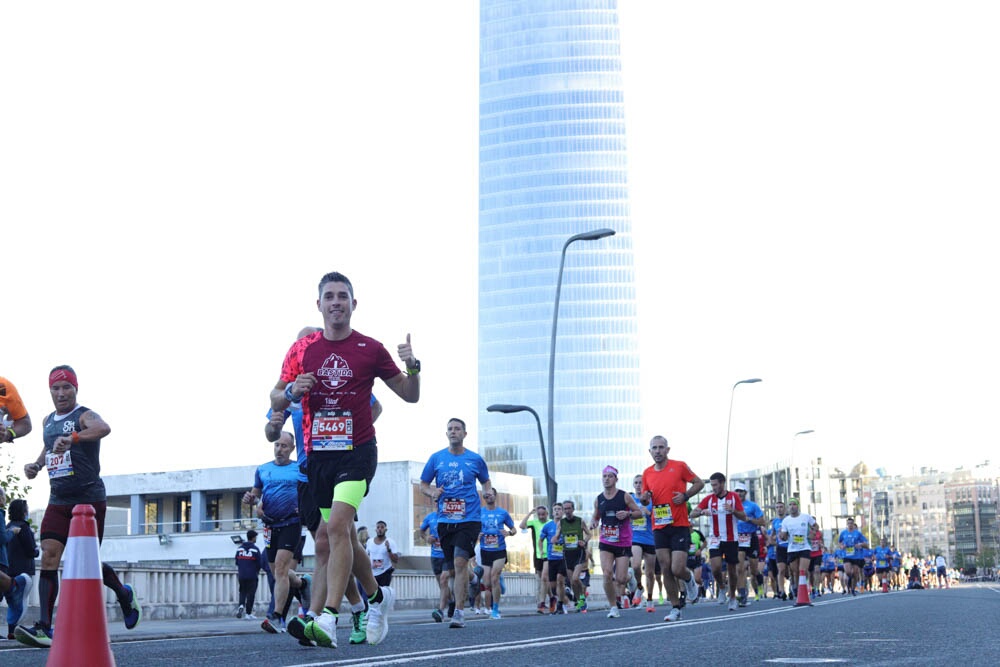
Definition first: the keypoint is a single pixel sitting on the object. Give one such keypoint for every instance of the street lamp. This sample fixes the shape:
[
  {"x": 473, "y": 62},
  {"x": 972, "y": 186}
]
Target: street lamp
[
  {"x": 585, "y": 236},
  {"x": 793, "y": 469},
  {"x": 729, "y": 426},
  {"x": 550, "y": 481}
]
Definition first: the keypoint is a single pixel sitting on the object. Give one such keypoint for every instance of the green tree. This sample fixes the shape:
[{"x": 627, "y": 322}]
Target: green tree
[{"x": 12, "y": 484}]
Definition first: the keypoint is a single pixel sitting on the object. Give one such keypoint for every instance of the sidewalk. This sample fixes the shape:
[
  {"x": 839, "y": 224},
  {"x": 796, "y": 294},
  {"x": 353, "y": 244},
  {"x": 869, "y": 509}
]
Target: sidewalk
[{"x": 208, "y": 627}]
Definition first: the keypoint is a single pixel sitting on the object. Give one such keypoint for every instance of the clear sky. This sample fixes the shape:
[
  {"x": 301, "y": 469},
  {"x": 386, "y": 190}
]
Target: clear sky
[{"x": 814, "y": 192}]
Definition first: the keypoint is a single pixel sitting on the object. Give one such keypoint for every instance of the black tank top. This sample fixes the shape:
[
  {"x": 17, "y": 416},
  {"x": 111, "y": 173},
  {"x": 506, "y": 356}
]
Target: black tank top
[{"x": 74, "y": 476}]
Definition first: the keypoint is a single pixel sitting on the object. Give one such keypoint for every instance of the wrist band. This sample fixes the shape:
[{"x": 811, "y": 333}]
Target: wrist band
[
  {"x": 76, "y": 437},
  {"x": 288, "y": 393},
  {"x": 13, "y": 435}
]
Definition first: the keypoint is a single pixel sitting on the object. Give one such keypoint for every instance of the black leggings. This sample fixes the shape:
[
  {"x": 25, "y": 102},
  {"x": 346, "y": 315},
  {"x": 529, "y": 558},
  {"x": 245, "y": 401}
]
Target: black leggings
[{"x": 248, "y": 590}]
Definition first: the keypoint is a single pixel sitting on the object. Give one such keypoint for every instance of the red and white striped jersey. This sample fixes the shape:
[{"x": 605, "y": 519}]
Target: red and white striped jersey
[{"x": 721, "y": 510}]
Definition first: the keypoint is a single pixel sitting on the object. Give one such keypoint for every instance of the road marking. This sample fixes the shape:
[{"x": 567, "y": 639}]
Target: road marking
[
  {"x": 805, "y": 661},
  {"x": 436, "y": 654}
]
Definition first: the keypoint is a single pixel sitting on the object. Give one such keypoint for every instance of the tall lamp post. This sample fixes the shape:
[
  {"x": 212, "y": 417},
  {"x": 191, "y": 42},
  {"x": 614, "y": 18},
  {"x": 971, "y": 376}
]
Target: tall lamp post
[
  {"x": 550, "y": 480},
  {"x": 585, "y": 236},
  {"x": 792, "y": 472},
  {"x": 729, "y": 425}
]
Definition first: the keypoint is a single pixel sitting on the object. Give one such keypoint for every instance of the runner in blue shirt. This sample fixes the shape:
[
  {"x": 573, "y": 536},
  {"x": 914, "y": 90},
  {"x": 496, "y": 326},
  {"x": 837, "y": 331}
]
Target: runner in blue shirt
[
  {"x": 556, "y": 560},
  {"x": 497, "y": 525},
  {"x": 778, "y": 566},
  {"x": 881, "y": 555},
  {"x": 746, "y": 537},
  {"x": 455, "y": 470},
  {"x": 275, "y": 486},
  {"x": 829, "y": 568},
  {"x": 442, "y": 571},
  {"x": 643, "y": 549},
  {"x": 895, "y": 564},
  {"x": 852, "y": 541}
]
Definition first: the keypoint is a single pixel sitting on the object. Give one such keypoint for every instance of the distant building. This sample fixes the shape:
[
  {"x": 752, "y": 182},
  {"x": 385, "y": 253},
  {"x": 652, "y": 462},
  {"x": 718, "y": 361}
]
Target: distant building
[
  {"x": 552, "y": 164},
  {"x": 952, "y": 513},
  {"x": 195, "y": 516},
  {"x": 825, "y": 492}
]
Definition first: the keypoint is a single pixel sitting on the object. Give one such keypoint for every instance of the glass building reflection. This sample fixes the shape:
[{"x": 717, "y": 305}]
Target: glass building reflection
[{"x": 552, "y": 163}]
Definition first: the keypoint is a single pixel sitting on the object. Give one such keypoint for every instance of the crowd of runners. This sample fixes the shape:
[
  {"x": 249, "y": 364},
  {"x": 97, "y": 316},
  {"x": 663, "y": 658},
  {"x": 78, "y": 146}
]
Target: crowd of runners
[{"x": 648, "y": 550}]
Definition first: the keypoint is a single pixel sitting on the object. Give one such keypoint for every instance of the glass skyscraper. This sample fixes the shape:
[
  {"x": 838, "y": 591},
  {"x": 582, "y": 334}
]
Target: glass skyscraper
[{"x": 552, "y": 163}]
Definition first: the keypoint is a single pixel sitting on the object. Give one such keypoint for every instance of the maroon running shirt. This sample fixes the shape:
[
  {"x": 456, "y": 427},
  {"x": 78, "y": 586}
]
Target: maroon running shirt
[{"x": 336, "y": 413}]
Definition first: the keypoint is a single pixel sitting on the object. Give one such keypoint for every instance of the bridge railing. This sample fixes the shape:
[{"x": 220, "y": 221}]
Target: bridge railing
[{"x": 174, "y": 592}]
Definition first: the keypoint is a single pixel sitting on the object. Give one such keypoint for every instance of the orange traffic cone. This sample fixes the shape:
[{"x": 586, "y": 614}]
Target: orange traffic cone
[
  {"x": 81, "y": 636},
  {"x": 802, "y": 600}
]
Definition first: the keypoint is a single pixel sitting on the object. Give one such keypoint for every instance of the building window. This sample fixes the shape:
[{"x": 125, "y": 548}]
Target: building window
[
  {"x": 154, "y": 516},
  {"x": 213, "y": 508},
  {"x": 182, "y": 514},
  {"x": 243, "y": 514}
]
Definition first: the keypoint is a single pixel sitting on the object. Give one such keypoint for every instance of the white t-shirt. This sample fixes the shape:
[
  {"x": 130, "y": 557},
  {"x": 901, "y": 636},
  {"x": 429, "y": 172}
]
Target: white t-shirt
[
  {"x": 797, "y": 528},
  {"x": 378, "y": 554}
]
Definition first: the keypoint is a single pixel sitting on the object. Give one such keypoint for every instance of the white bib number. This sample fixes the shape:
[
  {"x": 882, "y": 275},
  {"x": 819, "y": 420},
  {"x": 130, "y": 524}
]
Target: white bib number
[
  {"x": 744, "y": 539},
  {"x": 59, "y": 465},
  {"x": 333, "y": 431},
  {"x": 453, "y": 508},
  {"x": 609, "y": 533}
]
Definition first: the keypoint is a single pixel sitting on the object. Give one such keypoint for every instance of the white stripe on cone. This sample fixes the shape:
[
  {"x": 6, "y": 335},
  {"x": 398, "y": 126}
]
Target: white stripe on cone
[{"x": 82, "y": 559}]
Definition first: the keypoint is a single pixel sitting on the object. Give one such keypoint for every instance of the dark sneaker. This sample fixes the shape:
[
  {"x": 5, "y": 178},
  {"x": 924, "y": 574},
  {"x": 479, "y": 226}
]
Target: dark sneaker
[
  {"x": 297, "y": 629},
  {"x": 451, "y": 609},
  {"x": 37, "y": 636},
  {"x": 437, "y": 615},
  {"x": 131, "y": 609},
  {"x": 358, "y": 633},
  {"x": 271, "y": 625},
  {"x": 305, "y": 591}
]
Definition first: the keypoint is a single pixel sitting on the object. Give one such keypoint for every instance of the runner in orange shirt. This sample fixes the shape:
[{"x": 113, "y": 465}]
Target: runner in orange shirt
[
  {"x": 665, "y": 484},
  {"x": 14, "y": 423}
]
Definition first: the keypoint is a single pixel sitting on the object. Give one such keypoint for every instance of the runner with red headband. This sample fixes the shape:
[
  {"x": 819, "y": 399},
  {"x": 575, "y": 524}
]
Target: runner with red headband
[{"x": 72, "y": 436}]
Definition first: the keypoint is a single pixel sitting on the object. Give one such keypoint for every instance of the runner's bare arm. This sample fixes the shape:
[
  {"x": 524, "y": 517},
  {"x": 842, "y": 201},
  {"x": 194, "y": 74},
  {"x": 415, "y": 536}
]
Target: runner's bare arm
[
  {"x": 634, "y": 509},
  {"x": 272, "y": 429},
  {"x": 94, "y": 428},
  {"x": 406, "y": 385},
  {"x": 303, "y": 383}
]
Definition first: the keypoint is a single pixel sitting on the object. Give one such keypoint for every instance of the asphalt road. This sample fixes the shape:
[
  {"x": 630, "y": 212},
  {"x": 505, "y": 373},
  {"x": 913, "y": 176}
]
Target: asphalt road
[{"x": 960, "y": 626}]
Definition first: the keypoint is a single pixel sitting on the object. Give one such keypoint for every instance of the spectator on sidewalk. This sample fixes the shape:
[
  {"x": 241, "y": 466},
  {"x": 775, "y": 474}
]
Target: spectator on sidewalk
[
  {"x": 249, "y": 563},
  {"x": 22, "y": 550}
]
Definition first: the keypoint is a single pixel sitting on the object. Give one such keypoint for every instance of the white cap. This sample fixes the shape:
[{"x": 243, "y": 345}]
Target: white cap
[{"x": 739, "y": 486}]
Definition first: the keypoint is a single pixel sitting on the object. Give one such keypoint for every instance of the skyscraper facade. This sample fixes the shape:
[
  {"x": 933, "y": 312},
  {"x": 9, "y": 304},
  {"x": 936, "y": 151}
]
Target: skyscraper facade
[{"x": 552, "y": 163}]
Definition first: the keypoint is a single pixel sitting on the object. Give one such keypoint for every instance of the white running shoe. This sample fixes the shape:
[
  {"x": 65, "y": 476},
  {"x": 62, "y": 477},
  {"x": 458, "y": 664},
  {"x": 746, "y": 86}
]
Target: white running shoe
[
  {"x": 733, "y": 604},
  {"x": 614, "y": 613},
  {"x": 378, "y": 621},
  {"x": 692, "y": 587},
  {"x": 322, "y": 630},
  {"x": 674, "y": 615}
]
